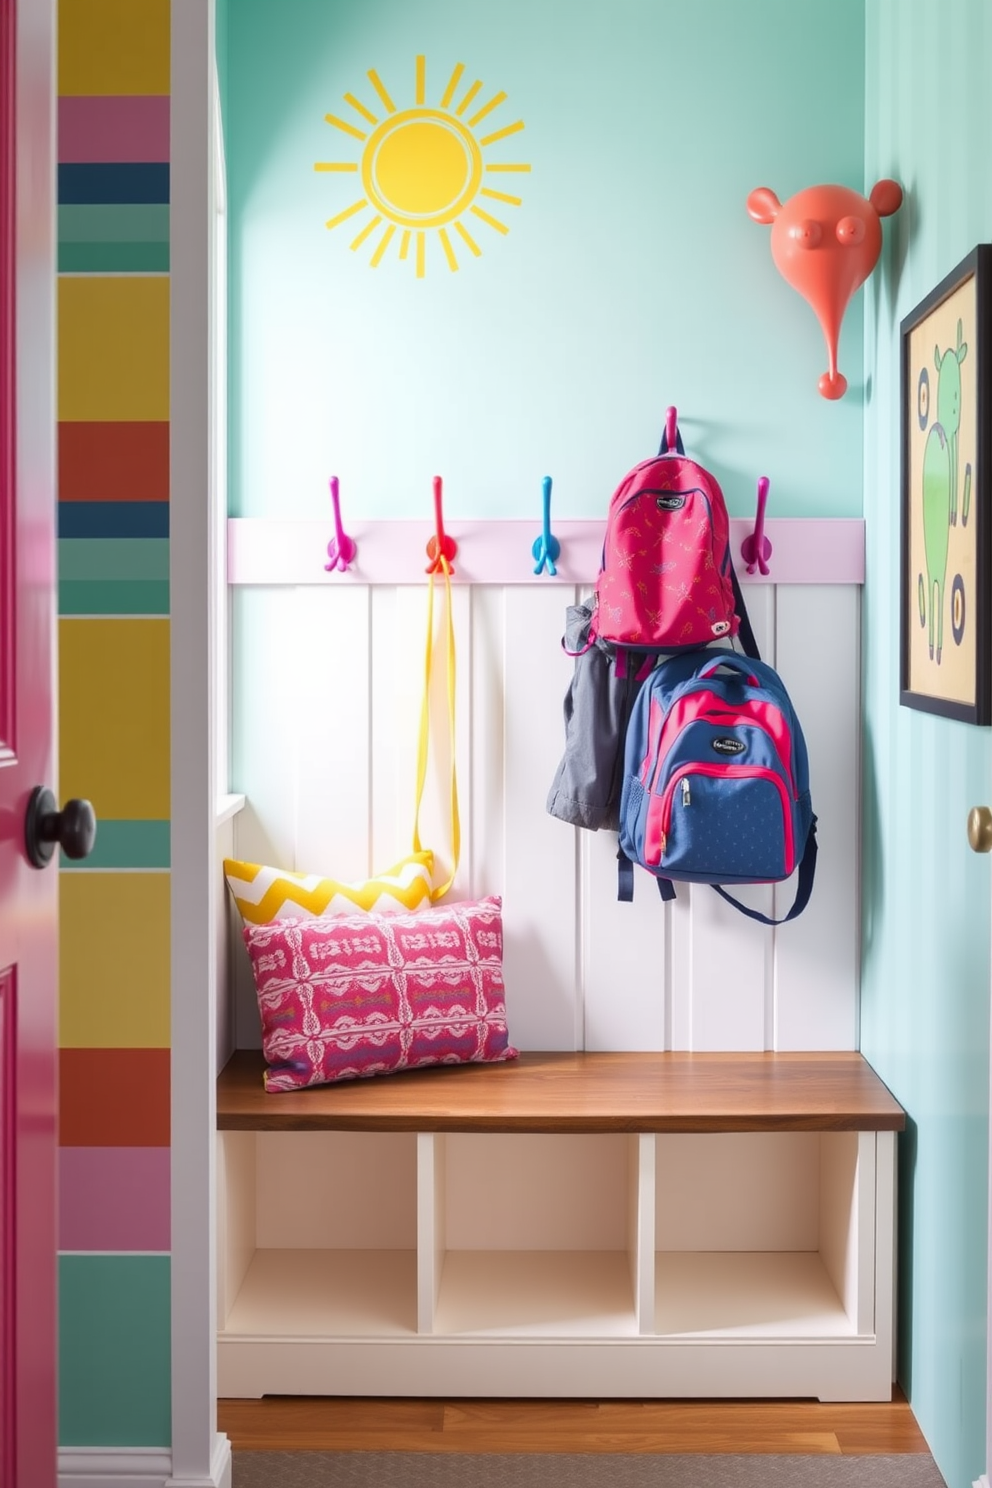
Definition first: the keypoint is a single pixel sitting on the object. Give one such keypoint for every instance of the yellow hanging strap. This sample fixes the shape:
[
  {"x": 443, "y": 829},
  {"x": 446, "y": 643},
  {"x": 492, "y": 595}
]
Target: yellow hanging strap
[{"x": 423, "y": 745}]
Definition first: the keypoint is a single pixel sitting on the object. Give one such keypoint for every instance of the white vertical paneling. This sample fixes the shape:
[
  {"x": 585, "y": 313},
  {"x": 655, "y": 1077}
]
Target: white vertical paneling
[
  {"x": 263, "y": 710},
  {"x": 330, "y": 724},
  {"x": 540, "y": 899},
  {"x": 816, "y": 957},
  {"x": 625, "y": 953},
  {"x": 484, "y": 796},
  {"x": 326, "y": 753}
]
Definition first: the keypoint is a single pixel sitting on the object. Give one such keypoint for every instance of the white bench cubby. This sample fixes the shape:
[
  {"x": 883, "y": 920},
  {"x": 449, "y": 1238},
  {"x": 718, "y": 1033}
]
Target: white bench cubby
[{"x": 700, "y": 1225}]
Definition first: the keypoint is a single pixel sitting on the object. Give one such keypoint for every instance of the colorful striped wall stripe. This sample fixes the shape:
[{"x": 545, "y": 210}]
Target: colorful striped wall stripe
[
  {"x": 114, "y": 1097},
  {"x": 114, "y": 1198},
  {"x": 114, "y": 1351},
  {"x": 114, "y": 595}
]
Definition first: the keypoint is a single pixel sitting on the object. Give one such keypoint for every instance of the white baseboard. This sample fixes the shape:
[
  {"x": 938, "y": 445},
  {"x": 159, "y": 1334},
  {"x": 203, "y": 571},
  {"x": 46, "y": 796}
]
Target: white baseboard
[
  {"x": 114, "y": 1467},
  {"x": 982, "y": 1482},
  {"x": 137, "y": 1467}
]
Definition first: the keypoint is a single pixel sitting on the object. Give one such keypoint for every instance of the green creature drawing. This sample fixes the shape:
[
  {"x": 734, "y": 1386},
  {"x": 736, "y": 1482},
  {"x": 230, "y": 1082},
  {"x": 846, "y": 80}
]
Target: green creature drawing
[
  {"x": 949, "y": 416},
  {"x": 936, "y": 527}
]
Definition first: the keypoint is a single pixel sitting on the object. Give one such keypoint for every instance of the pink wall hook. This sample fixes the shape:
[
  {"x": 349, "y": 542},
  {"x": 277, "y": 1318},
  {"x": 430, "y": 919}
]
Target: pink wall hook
[
  {"x": 441, "y": 548},
  {"x": 671, "y": 427},
  {"x": 341, "y": 549},
  {"x": 756, "y": 549}
]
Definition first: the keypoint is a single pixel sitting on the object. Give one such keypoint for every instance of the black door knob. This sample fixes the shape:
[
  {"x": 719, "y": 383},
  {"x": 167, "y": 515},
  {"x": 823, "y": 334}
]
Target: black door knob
[{"x": 45, "y": 827}]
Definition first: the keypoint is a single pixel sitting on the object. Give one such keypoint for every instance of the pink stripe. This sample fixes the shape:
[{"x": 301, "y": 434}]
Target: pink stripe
[
  {"x": 114, "y": 1198},
  {"x": 104, "y": 130}
]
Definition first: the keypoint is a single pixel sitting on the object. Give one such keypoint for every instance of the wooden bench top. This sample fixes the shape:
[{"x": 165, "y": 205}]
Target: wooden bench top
[{"x": 579, "y": 1092}]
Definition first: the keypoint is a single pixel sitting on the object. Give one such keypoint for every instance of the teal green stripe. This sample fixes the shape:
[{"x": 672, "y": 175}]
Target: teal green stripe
[
  {"x": 113, "y": 258},
  {"x": 127, "y": 844},
  {"x": 114, "y": 597},
  {"x": 114, "y": 1351},
  {"x": 117, "y": 222},
  {"x": 90, "y": 558}
]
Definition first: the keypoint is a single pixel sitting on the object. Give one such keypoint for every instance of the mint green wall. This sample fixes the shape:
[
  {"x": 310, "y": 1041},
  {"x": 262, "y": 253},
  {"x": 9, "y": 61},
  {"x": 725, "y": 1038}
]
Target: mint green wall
[
  {"x": 925, "y": 988},
  {"x": 631, "y": 278}
]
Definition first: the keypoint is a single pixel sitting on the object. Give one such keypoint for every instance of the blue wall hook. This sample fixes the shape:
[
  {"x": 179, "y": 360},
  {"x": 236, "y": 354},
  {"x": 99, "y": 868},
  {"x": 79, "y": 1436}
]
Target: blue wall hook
[{"x": 546, "y": 548}]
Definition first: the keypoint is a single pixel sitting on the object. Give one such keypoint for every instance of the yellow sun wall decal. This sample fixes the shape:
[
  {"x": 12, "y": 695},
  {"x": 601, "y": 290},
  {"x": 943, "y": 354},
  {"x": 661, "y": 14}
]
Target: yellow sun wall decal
[{"x": 423, "y": 169}]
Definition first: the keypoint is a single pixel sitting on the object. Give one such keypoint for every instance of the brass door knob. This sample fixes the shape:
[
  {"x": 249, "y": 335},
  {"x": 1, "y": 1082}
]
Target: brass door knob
[{"x": 980, "y": 829}]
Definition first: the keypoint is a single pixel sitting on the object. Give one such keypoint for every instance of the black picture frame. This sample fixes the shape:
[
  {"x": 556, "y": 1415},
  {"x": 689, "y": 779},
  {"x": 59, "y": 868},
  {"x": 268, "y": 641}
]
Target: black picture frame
[{"x": 946, "y": 466}]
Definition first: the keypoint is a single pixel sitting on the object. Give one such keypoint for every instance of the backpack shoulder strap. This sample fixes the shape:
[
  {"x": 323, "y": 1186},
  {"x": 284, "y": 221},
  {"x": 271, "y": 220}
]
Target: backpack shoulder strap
[
  {"x": 745, "y": 633},
  {"x": 804, "y": 887}
]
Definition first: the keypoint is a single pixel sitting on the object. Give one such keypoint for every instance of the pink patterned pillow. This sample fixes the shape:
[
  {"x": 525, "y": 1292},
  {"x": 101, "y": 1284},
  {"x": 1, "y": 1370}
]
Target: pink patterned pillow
[{"x": 366, "y": 994}]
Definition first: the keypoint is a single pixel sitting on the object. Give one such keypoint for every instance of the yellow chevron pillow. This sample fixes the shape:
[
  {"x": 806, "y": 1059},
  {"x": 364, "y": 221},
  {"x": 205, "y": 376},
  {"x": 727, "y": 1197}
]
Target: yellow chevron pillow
[{"x": 266, "y": 894}]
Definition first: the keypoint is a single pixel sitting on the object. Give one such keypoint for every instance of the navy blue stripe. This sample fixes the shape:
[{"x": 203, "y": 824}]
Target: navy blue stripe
[
  {"x": 113, "y": 519},
  {"x": 113, "y": 183}
]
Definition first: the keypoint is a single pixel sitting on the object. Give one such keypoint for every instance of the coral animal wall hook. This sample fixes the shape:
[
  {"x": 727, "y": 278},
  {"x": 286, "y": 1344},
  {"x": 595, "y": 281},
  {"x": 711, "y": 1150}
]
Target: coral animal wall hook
[
  {"x": 441, "y": 548},
  {"x": 546, "y": 548},
  {"x": 341, "y": 549},
  {"x": 825, "y": 242}
]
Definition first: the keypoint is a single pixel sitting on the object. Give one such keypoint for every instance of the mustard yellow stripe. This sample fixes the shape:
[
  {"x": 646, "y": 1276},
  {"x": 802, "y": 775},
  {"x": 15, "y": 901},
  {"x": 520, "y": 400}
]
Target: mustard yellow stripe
[
  {"x": 405, "y": 243},
  {"x": 507, "y": 167},
  {"x": 360, "y": 108},
  {"x": 468, "y": 239},
  {"x": 487, "y": 108},
  {"x": 114, "y": 716},
  {"x": 348, "y": 212},
  {"x": 384, "y": 242},
  {"x": 421, "y": 80},
  {"x": 348, "y": 128},
  {"x": 514, "y": 201},
  {"x": 113, "y": 47},
  {"x": 468, "y": 98},
  {"x": 113, "y": 349},
  {"x": 375, "y": 80},
  {"x": 499, "y": 226},
  {"x": 114, "y": 960},
  {"x": 449, "y": 252},
  {"x": 335, "y": 165},
  {"x": 453, "y": 82},
  {"x": 421, "y": 256},
  {"x": 491, "y": 139}
]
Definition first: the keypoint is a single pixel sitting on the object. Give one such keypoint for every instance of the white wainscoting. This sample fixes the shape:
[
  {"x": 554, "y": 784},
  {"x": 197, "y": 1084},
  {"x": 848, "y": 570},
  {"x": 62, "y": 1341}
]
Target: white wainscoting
[{"x": 327, "y": 683}]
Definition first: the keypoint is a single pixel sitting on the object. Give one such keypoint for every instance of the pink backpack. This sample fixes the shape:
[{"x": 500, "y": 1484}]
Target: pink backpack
[{"x": 667, "y": 582}]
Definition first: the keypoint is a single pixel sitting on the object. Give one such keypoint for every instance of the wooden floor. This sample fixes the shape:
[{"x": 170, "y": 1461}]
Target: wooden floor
[{"x": 281, "y": 1423}]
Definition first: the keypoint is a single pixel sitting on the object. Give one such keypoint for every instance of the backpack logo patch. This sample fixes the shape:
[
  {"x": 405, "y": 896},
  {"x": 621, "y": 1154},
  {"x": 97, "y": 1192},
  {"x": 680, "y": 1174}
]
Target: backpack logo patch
[
  {"x": 670, "y": 503},
  {"x": 728, "y": 746}
]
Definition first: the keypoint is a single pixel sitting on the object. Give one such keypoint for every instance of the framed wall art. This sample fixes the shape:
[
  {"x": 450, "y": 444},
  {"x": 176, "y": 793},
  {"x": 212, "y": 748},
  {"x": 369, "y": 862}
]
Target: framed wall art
[{"x": 946, "y": 442}]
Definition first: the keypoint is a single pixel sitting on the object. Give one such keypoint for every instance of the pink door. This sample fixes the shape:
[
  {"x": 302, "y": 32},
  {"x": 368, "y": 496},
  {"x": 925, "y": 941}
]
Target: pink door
[{"x": 28, "y": 866}]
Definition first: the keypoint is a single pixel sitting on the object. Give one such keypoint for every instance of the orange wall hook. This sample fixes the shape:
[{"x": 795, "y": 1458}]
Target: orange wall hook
[
  {"x": 825, "y": 242},
  {"x": 441, "y": 548}
]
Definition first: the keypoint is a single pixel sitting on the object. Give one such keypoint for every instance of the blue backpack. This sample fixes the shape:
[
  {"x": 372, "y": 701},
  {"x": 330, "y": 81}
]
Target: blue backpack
[{"x": 716, "y": 780}]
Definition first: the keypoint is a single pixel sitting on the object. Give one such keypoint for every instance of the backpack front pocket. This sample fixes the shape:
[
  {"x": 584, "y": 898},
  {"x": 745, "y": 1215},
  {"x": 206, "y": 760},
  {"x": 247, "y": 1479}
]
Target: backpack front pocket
[{"x": 722, "y": 822}]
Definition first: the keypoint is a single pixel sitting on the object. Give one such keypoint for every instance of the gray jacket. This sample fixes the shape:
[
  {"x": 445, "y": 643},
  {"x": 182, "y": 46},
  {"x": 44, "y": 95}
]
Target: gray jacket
[{"x": 586, "y": 789}]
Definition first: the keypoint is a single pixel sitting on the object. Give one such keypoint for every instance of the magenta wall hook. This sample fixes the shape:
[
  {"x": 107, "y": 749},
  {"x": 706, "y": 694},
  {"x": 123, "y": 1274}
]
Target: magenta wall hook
[
  {"x": 756, "y": 549},
  {"x": 671, "y": 427},
  {"x": 546, "y": 548},
  {"x": 341, "y": 549},
  {"x": 441, "y": 548}
]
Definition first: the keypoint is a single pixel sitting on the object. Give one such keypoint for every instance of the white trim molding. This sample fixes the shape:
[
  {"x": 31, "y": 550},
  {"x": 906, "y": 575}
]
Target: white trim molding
[
  {"x": 114, "y": 1467},
  {"x": 137, "y": 1467}
]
